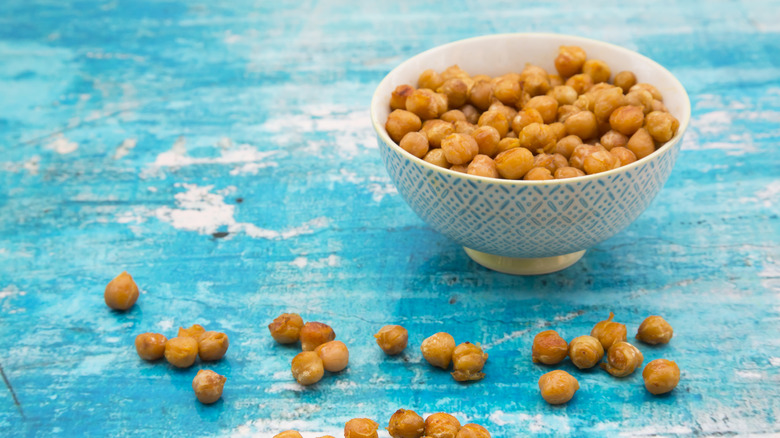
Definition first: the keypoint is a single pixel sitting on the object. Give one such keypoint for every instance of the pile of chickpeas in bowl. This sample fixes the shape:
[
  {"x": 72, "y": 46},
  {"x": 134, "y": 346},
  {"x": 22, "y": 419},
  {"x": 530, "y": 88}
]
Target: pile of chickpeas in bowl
[{"x": 531, "y": 125}]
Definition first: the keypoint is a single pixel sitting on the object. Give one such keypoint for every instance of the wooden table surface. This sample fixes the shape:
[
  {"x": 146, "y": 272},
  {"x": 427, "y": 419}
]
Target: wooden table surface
[{"x": 221, "y": 152}]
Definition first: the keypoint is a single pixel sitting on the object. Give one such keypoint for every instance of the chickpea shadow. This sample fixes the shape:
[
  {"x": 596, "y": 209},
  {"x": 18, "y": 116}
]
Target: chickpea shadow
[{"x": 210, "y": 412}]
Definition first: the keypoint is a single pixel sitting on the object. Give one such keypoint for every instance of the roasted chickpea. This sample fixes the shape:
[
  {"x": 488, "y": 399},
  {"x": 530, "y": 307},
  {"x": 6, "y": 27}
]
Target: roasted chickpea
[
  {"x": 150, "y": 346},
  {"x": 549, "y": 348},
  {"x": 558, "y": 387},
  {"x": 392, "y": 339},
  {"x": 181, "y": 351},
  {"x": 640, "y": 98},
  {"x": 453, "y": 116},
  {"x": 496, "y": 119},
  {"x": 585, "y": 351},
  {"x": 307, "y": 368},
  {"x": 625, "y": 80},
  {"x": 624, "y": 155},
  {"x": 406, "y": 424},
  {"x": 568, "y": 172},
  {"x": 661, "y": 126},
  {"x": 537, "y": 138},
  {"x": 426, "y": 104},
  {"x": 462, "y": 127},
  {"x": 655, "y": 330},
  {"x": 314, "y": 334},
  {"x": 546, "y": 105},
  {"x": 582, "y": 124},
  {"x": 600, "y": 161},
  {"x": 566, "y": 111},
  {"x": 586, "y": 102},
  {"x": 581, "y": 152},
  {"x": 429, "y": 79},
  {"x": 286, "y": 328},
  {"x": 212, "y": 345},
  {"x": 580, "y": 82},
  {"x": 454, "y": 71},
  {"x": 437, "y": 158},
  {"x": 416, "y": 143},
  {"x": 288, "y": 434},
  {"x": 514, "y": 163},
  {"x": 508, "y": 111},
  {"x": 558, "y": 130},
  {"x": 481, "y": 95},
  {"x": 361, "y": 428},
  {"x": 538, "y": 174},
  {"x": 613, "y": 139},
  {"x": 641, "y": 143},
  {"x": 570, "y": 60},
  {"x": 194, "y": 331},
  {"x": 525, "y": 118},
  {"x": 399, "y": 95},
  {"x": 467, "y": 362},
  {"x": 483, "y": 165},
  {"x": 508, "y": 90},
  {"x": 661, "y": 376},
  {"x": 535, "y": 81},
  {"x": 121, "y": 292},
  {"x": 334, "y": 355},
  {"x": 472, "y": 430},
  {"x": 459, "y": 148},
  {"x": 487, "y": 138},
  {"x": 400, "y": 122},
  {"x": 436, "y": 130},
  {"x": 566, "y": 145},
  {"x": 441, "y": 425},
  {"x": 208, "y": 386},
  {"x": 471, "y": 113},
  {"x": 438, "y": 349},
  {"x": 555, "y": 80},
  {"x": 563, "y": 94},
  {"x": 649, "y": 88},
  {"x": 608, "y": 101},
  {"x": 598, "y": 70},
  {"x": 550, "y": 161},
  {"x": 461, "y": 168},
  {"x": 508, "y": 143},
  {"x": 622, "y": 359},
  {"x": 627, "y": 119},
  {"x": 456, "y": 90},
  {"x": 608, "y": 332}
]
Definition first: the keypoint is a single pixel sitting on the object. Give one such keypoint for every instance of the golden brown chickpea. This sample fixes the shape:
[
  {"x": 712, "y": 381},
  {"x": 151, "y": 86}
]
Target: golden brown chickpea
[
  {"x": 464, "y": 128},
  {"x": 568, "y": 172},
  {"x": 487, "y": 138},
  {"x": 307, "y": 368},
  {"x": 627, "y": 119},
  {"x": 563, "y": 94},
  {"x": 441, "y": 425},
  {"x": 467, "y": 362},
  {"x": 641, "y": 98},
  {"x": 625, "y": 80},
  {"x": 555, "y": 80},
  {"x": 392, "y": 339},
  {"x": 508, "y": 90},
  {"x": 459, "y": 148},
  {"x": 399, "y": 95},
  {"x": 481, "y": 95},
  {"x": 454, "y": 71},
  {"x": 212, "y": 345},
  {"x": 649, "y": 88},
  {"x": 483, "y": 165},
  {"x": 496, "y": 119},
  {"x": 558, "y": 130},
  {"x": 400, "y": 122},
  {"x": 586, "y": 102},
  {"x": 437, "y": 158},
  {"x": 508, "y": 143},
  {"x": 597, "y": 88},
  {"x": 150, "y": 346},
  {"x": 600, "y": 161},
  {"x": 624, "y": 155},
  {"x": 481, "y": 77},
  {"x": 608, "y": 332},
  {"x": 453, "y": 116},
  {"x": 558, "y": 387},
  {"x": 510, "y": 134},
  {"x": 406, "y": 424},
  {"x": 208, "y": 386},
  {"x": 508, "y": 111},
  {"x": 582, "y": 124},
  {"x": 655, "y": 330},
  {"x": 286, "y": 328},
  {"x": 622, "y": 359},
  {"x": 535, "y": 80},
  {"x": 537, "y": 138},
  {"x": 514, "y": 163},
  {"x": 525, "y": 118},
  {"x": 580, "y": 82},
  {"x": 288, "y": 434},
  {"x": 546, "y": 105},
  {"x": 641, "y": 143},
  {"x": 194, "y": 331},
  {"x": 570, "y": 60},
  {"x": 456, "y": 90},
  {"x": 566, "y": 111},
  {"x": 314, "y": 334},
  {"x": 361, "y": 428},
  {"x": 659, "y": 106},
  {"x": 121, "y": 292},
  {"x": 538, "y": 174},
  {"x": 549, "y": 348},
  {"x": 429, "y": 79},
  {"x": 661, "y": 126},
  {"x": 437, "y": 349},
  {"x": 550, "y": 161},
  {"x": 566, "y": 145},
  {"x": 472, "y": 430},
  {"x": 416, "y": 143},
  {"x": 581, "y": 152},
  {"x": 426, "y": 104},
  {"x": 661, "y": 376},
  {"x": 585, "y": 351},
  {"x": 460, "y": 168},
  {"x": 435, "y": 130},
  {"x": 181, "y": 351},
  {"x": 334, "y": 355},
  {"x": 471, "y": 112},
  {"x": 608, "y": 101},
  {"x": 598, "y": 70},
  {"x": 613, "y": 139}
]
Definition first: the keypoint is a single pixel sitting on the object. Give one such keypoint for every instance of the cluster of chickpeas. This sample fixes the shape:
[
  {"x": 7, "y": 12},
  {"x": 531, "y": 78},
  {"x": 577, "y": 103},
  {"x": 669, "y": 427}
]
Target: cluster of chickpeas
[
  {"x": 531, "y": 125},
  {"x": 406, "y": 423},
  {"x": 549, "y": 348},
  {"x": 321, "y": 352}
]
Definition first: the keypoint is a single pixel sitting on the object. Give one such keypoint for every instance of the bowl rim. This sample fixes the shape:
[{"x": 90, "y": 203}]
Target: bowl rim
[{"x": 684, "y": 122}]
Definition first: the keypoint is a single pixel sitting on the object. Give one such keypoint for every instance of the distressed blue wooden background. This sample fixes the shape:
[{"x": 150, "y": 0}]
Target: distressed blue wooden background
[{"x": 221, "y": 152}]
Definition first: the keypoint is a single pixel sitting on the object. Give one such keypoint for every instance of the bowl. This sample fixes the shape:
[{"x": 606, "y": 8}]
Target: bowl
[{"x": 527, "y": 227}]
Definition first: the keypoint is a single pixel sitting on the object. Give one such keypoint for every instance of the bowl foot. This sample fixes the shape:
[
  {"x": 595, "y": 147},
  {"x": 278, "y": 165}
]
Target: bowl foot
[{"x": 524, "y": 266}]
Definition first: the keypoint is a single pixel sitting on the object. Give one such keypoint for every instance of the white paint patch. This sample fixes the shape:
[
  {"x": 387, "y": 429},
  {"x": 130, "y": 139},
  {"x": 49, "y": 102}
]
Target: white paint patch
[
  {"x": 165, "y": 324},
  {"x": 752, "y": 375},
  {"x": 127, "y": 145},
  {"x": 378, "y": 186},
  {"x": 62, "y": 145},
  {"x": 9, "y": 291},
  {"x": 249, "y": 158},
  {"x": 231, "y": 38},
  {"x": 32, "y": 165},
  {"x": 770, "y": 196},
  {"x": 95, "y": 365},
  {"x": 659, "y": 431},
  {"x": 325, "y": 262},
  {"x": 775, "y": 361},
  {"x": 534, "y": 423},
  {"x": 278, "y": 387},
  {"x": 518, "y": 333},
  {"x": 300, "y": 262}
]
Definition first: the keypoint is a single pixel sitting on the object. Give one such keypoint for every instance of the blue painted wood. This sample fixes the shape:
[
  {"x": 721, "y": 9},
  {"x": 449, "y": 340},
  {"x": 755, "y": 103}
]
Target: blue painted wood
[{"x": 222, "y": 154}]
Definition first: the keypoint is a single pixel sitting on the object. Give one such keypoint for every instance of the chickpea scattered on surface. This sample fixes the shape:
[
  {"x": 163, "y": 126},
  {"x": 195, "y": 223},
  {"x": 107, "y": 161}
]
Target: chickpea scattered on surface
[
  {"x": 655, "y": 330},
  {"x": 150, "y": 346},
  {"x": 392, "y": 339},
  {"x": 208, "y": 386},
  {"x": 558, "y": 387},
  {"x": 568, "y": 172},
  {"x": 483, "y": 165},
  {"x": 288, "y": 434},
  {"x": 314, "y": 334},
  {"x": 437, "y": 158},
  {"x": 514, "y": 163},
  {"x": 467, "y": 361},
  {"x": 549, "y": 348},
  {"x": 406, "y": 424},
  {"x": 361, "y": 428},
  {"x": 570, "y": 60},
  {"x": 441, "y": 425},
  {"x": 334, "y": 355},
  {"x": 622, "y": 359},
  {"x": 181, "y": 351},
  {"x": 194, "y": 331},
  {"x": 585, "y": 351},
  {"x": 400, "y": 122},
  {"x": 121, "y": 293},
  {"x": 608, "y": 332},
  {"x": 459, "y": 148},
  {"x": 307, "y": 368},
  {"x": 416, "y": 143},
  {"x": 399, "y": 95},
  {"x": 438, "y": 348},
  {"x": 661, "y": 376},
  {"x": 624, "y": 155},
  {"x": 641, "y": 144},
  {"x": 212, "y": 345},
  {"x": 472, "y": 430},
  {"x": 286, "y": 328}
]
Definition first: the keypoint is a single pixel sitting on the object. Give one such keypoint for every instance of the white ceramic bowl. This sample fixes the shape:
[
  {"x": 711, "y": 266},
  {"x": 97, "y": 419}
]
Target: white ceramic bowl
[{"x": 527, "y": 227}]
